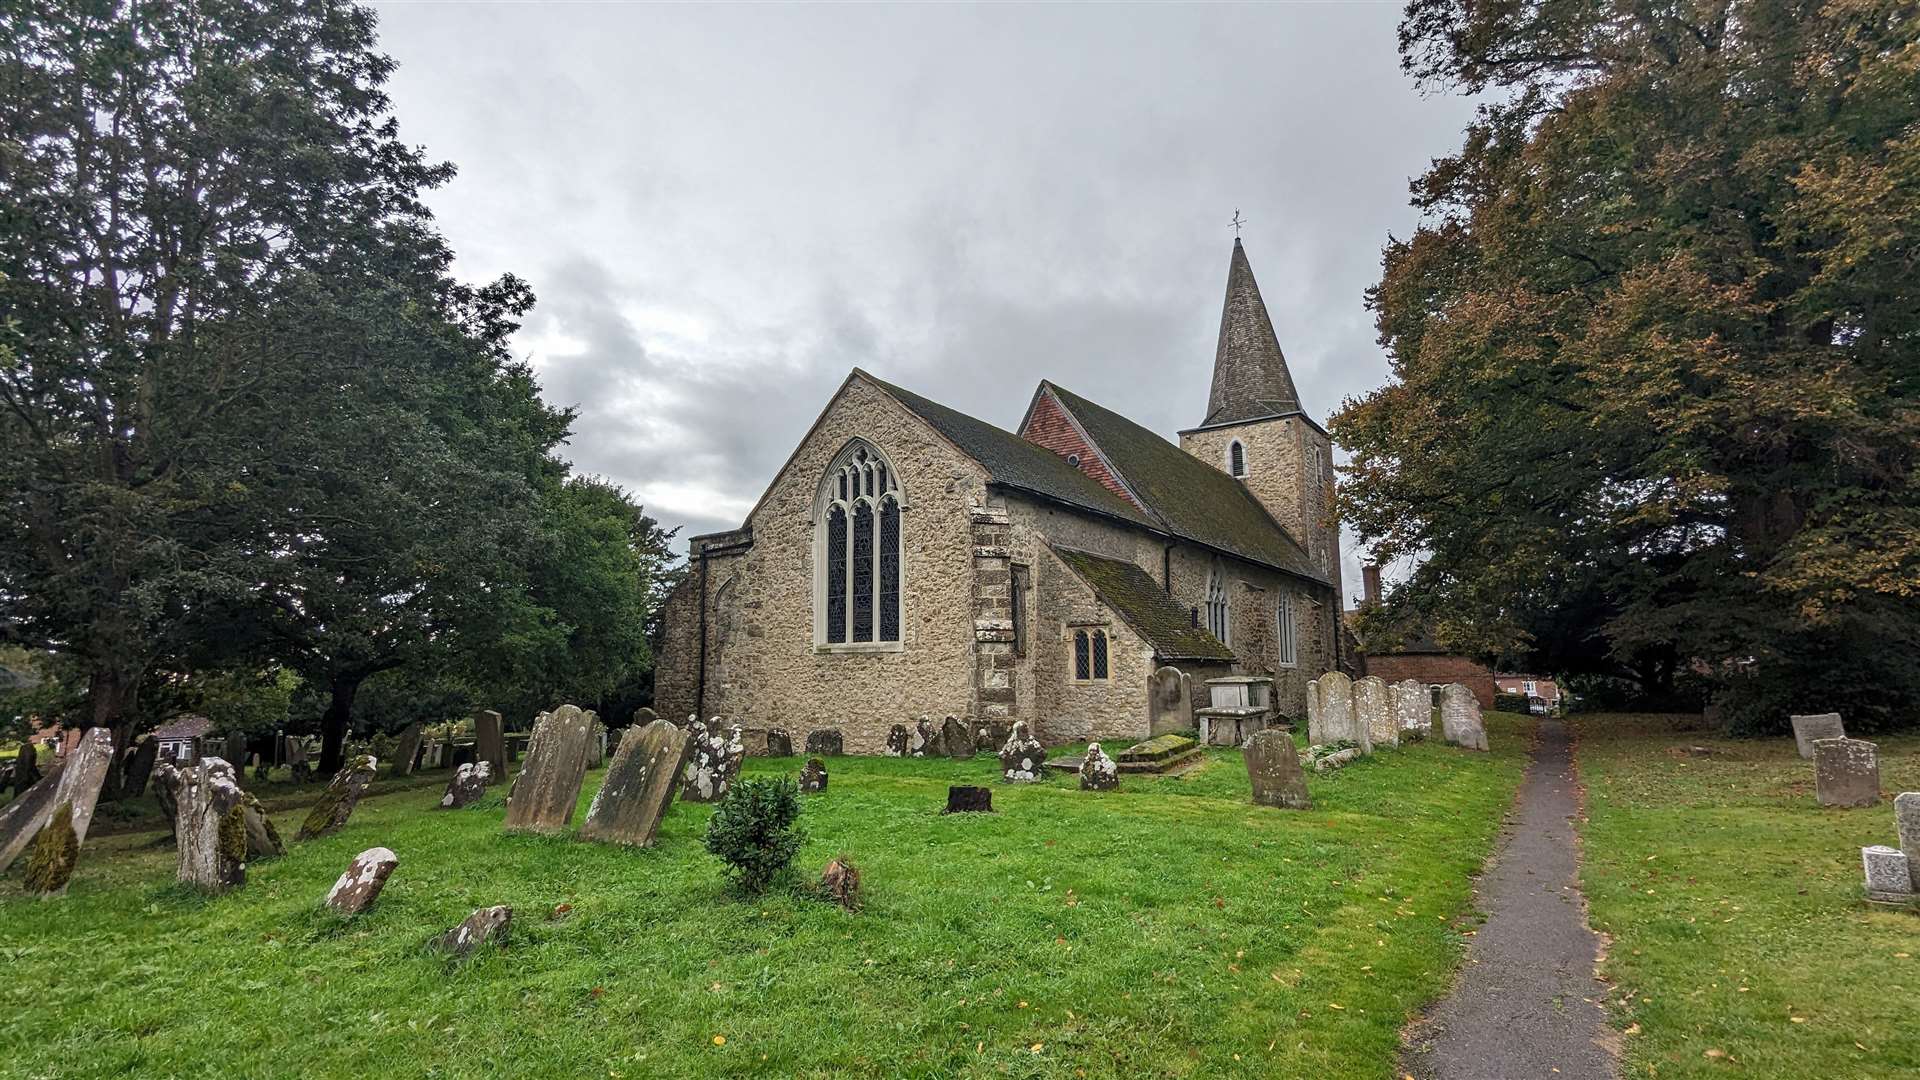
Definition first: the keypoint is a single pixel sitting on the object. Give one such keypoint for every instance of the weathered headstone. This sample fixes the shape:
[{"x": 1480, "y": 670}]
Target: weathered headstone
[
  {"x": 1169, "y": 701},
  {"x": 639, "y": 786},
  {"x": 925, "y": 740},
  {"x": 336, "y": 803},
  {"x": 490, "y": 740},
  {"x": 484, "y": 925},
  {"x": 713, "y": 763},
  {"x": 1413, "y": 706},
  {"x": 74, "y": 782},
  {"x": 1316, "y": 728},
  {"x": 543, "y": 796},
  {"x": 1338, "y": 722},
  {"x": 1373, "y": 709},
  {"x": 955, "y": 737},
  {"x": 1846, "y": 772},
  {"x": 1273, "y": 768},
  {"x": 1889, "y": 880},
  {"x": 1098, "y": 771},
  {"x": 209, "y": 824},
  {"x": 596, "y": 741},
  {"x": 360, "y": 886},
  {"x": 406, "y": 749},
  {"x": 139, "y": 767},
  {"x": 1460, "y": 718},
  {"x": 964, "y": 799},
  {"x": 1906, "y": 824},
  {"x": 467, "y": 786},
  {"x": 1811, "y": 728},
  {"x": 298, "y": 763},
  {"x": 26, "y": 769},
  {"x": 53, "y": 855},
  {"x": 897, "y": 741},
  {"x": 813, "y": 776},
  {"x": 263, "y": 840},
  {"x": 825, "y": 742},
  {"x": 779, "y": 743},
  {"x": 1022, "y": 758}
]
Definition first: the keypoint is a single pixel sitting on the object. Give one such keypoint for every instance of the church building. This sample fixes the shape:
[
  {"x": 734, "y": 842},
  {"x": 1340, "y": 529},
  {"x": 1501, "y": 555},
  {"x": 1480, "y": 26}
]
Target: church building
[{"x": 909, "y": 560}]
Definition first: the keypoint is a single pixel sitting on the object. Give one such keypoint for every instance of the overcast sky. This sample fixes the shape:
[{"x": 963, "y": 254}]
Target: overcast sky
[{"x": 725, "y": 209}]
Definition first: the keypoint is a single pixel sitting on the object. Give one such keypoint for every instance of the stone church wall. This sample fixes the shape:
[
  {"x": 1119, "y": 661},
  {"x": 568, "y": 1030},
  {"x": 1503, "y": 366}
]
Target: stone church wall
[{"x": 1277, "y": 463}]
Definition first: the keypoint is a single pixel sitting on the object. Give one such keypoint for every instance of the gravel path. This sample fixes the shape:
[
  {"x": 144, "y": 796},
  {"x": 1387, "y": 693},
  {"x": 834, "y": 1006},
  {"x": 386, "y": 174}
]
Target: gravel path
[{"x": 1527, "y": 1002}]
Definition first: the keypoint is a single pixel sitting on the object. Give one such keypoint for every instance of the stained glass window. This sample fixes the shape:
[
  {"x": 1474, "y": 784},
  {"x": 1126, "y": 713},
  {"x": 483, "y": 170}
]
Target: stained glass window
[
  {"x": 863, "y": 572},
  {"x": 889, "y": 568},
  {"x": 858, "y": 588},
  {"x": 836, "y": 559}
]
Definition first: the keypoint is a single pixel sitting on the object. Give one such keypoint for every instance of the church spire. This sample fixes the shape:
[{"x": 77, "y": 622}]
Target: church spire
[{"x": 1250, "y": 376}]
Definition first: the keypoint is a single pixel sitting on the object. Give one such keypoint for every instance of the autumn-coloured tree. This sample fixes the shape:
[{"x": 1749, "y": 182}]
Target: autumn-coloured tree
[{"x": 1656, "y": 351}]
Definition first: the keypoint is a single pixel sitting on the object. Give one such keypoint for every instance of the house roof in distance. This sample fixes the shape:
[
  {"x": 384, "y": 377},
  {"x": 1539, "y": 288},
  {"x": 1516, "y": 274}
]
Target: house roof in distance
[{"x": 1143, "y": 605}]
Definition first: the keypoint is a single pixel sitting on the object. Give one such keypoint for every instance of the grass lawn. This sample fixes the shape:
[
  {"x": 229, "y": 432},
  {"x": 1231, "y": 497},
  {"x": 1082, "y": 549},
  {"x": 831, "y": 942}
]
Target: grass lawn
[
  {"x": 1170, "y": 928},
  {"x": 1741, "y": 945}
]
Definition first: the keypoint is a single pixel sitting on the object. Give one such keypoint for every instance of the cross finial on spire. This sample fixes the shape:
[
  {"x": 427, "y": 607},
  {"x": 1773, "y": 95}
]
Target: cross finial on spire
[{"x": 1236, "y": 223}]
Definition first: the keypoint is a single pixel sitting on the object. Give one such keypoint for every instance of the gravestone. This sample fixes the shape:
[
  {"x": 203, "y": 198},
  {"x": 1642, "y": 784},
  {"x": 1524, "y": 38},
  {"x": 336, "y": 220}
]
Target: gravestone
[
  {"x": 52, "y": 855},
  {"x": 468, "y": 786},
  {"x": 26, "y": 768},
  {"x": 543, "y": 796},
  {"x": 1273, "y": 768},
  {"x": 1809, "y": 729},
  {"x": 813, "y": 776},
  {"x": 360, "y": 886},
  {"x": 639, "y": 786},
  {"x": 490, "y": 740},
  {"x": 1316, "y": 731},
  {"x": 713, "y": 763},
  {"x": 1906, "y": 823},
  {"x": 1338, "y": 722},
  {"x": 596, "y": 741},
  {"x": 897, "y": 741},
  {"x": 1413, "y": 706},
  {"x": 825, "y": 742},
  {"x": 926, "y": 739},
  {"x": 263, "y": 840},
  {"x": 74, "y": 781},
  {"x": 1889, "y": 880},
  {"x": 1846, "y": 772},
  {"x": 779, "y": 743},
  {"x": 1373, "y": 709},
  {"x": 139, "y": 767},
  {"x": 644, "y": 716},
  {"x": 298, "y": 763},
  {"x": 1098, "y": 771},
  {"x": 1169, "y": 702},
  {"x": 963, "y": 799},
  {"x": 1022, "y": 758},
  {"x": 955, "y": 737},
  {"x": 406, "y": 749},
  {"x": 1460, "y": 718},
  {"x": 336, "y": 803},
  {"x": 991, "y": 734},
  {"x": 209, "y": 823},
  {"x": 484, "y": 925}
]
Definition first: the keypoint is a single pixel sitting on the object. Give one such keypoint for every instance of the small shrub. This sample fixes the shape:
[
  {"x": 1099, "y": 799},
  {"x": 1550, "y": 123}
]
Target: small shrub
[{"x": 755, "y": 830}]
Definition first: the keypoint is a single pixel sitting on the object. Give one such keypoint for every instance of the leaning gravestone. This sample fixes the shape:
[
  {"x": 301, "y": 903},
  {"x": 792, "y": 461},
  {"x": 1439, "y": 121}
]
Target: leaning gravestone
[
  {"x": 490, "y": 740},
  {"x": 639, "y": 786},
  {"x": 1273, "y": 768},
  {"x": 139, "y": 767},
  {"x": 1098, "y": 771},
  {"x": 1906, "y": 823},
  {"x": 825, "y": 742},
  {"x": 1169, "y": 702},
  {"x": 1889, "y": 881},
  {"x": 406, "y": 749},
  {"x": 713, "y": 762},
  {"x": 897, "y": 741},
  {"x": 360, "y": 886},
  {"x": 813, "y": 776},
  {"x": 1022, "y": 758},
  {"x": 1373, "y": 709},
  {"x": 336, "y": 803},
  {"x": 543, "y": 796},
  {"x": 468, "y": 786},
  {"x": 1413, "y": 706},
  {"x": 1808, "y": 730},
  {"x": 1460, "y": 718},
  {"x": 209, "y": 826},
  {"x": 955, "y": 737},
  {"x": 74, "y": 782},
  {"x": 486, "y": 924},
  {"x": 1846, "y": 772},
  {"x": 779, "y": 743},
  {"x": 263, "y": 840},
  {"x": 51, "y": 858}
]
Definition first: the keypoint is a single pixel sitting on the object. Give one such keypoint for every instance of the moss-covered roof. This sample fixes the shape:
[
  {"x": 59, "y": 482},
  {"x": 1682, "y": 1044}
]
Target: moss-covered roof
[
  {"x": 1143, "y": 605},
  {"x": 1191, "y": 498}
]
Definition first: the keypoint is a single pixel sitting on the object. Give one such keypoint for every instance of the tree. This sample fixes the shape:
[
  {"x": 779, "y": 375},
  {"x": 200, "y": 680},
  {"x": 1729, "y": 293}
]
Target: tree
[{"x": 1654, "y": 349}]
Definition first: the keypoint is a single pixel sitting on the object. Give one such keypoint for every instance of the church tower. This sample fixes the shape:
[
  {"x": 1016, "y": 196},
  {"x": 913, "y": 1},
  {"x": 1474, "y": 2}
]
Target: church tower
[{"x": 1256, "y": 431}]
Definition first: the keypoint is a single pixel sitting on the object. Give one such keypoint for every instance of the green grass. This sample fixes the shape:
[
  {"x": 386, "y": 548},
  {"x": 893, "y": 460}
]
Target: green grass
[
  {"x": 1170, "y": 928},
  {"x": 1734, "y": 903}
]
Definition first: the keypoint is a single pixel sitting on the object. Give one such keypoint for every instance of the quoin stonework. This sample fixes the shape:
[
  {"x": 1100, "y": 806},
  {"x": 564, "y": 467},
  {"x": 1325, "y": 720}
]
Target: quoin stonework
[{"x": 910, "y": 559}]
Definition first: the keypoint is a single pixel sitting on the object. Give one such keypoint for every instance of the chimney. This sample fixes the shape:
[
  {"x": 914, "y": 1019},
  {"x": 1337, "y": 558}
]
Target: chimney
[{"x": 1370, "y": 584}]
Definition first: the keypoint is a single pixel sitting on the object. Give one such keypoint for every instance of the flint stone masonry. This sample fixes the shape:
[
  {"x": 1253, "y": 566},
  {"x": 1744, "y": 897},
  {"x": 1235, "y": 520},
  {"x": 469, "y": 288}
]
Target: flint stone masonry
[
  {"x": 406, "y": 749},
  {"x": 1022, "y": 758},
  {"x": 813, "y": 776},
  {"x": 1098, "y": 771},
  {"x": 825, "y": 742},
  {"x": 1846, "y": 772},
  {"x": 1889, "y": 880},
  {"x": 336, "y": 804},
  {"x": 209, "y": 823},
  {"x": 1906, "y": 824},
  {"x": 713, "y": 763},
  {"x": 955, "y": 739},
  {"x": 639, "y": 786},
  {"x": 545, "y": 793},
  {"x": 360, "y": 886},
  {"x": 1413, "y": 706},
  {"x": 1373, "y": 709},
  {"x": 490, "y": 741},
  {"x": 74, "y": 781},
  {"x": 1273, "y": 768},
  {"x": 1460, "y": 718},
  {"x": 1808, "y": 729},
  {"x": 484, "y": 925},
  {"x": 468, "y": 785}
]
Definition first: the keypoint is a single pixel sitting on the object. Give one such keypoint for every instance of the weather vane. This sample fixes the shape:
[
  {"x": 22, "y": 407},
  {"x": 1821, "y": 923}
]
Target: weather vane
[{"x": 1236, "y": 223}]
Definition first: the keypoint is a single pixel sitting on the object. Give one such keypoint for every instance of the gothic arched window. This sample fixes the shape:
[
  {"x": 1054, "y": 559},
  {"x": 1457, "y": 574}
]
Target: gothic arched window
[
  {"x": 857, "y": 538},
  {"x": 1236, "y": 458},
  {"x": 1287, "y": 631},
  {"x": 1218, "y": 617},
  {"x": 1089, "y": 655}
]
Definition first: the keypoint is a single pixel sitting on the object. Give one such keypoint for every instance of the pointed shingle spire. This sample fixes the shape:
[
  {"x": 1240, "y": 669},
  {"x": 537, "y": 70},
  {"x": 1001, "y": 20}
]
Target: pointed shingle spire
[{"x": 1250, "y": 376}]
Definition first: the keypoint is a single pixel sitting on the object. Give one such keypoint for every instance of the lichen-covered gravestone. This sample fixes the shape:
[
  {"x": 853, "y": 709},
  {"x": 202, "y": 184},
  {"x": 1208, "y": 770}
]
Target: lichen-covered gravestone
[
  {"x": 263, "y": 840},
  {"x": 51, "y": 859},
  {"x": 955, "y": 738},
  {"x": 926, "y": 739},
  {"x": 713, "y": 763},
  {"x": 360, "y": 886},
  {"x": 468, "y": 785},
  {"x": 826, "y": 742},
  {"x": 1810, "y": 729},
  {"x": 1460, "y": 718},
  {"x": 897, "y": 741},
  {"x": 406, "y": 749},
  {"x": 1373, "y": 710},
  {"x": 1338, "y": 721},
  {"x": 813, "y": 776},
  {"x": 1906, "y": 823},
  {"x": 543, "y": 796},
  {"x": 639, "y": 786},
  {"x": 1413, "y": 707},
  {"x": 209, "y": 824},
  {"x": 1846, "y": 772},
  {"x": 1273, "y": 768},
  {"x": 74, "y": 782},
  {"x": 490, "y": 740},
  {"x": 779, "y": 743},
  {"x": 1889, "y": 881},
  {"x": 1098, "y": 771},
  {"x": 1022, "y": 759},
  {"x": 336, "y": 803},
  {"x": 486, "y": 924}
]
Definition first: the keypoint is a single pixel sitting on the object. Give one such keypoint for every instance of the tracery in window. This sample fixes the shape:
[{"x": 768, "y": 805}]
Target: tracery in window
[
  {"x": 1218, "y": 620},
  {"x": 1089, "y": 655},
  {"x": 857, "y": 595}
]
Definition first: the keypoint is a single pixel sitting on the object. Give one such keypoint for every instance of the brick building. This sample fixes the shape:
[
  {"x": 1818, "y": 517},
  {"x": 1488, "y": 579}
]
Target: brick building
[
  {"x": 910, "y": 559},
  {"x": 1421, "y": 657}
]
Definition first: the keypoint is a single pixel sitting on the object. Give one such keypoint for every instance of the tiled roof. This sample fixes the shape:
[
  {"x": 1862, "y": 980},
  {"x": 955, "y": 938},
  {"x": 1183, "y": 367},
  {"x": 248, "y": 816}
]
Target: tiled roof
[
  {"x": 1145, "y": 606},
  {"x": 1250, "y": 376},
  {"x": 184, "y": 726}
]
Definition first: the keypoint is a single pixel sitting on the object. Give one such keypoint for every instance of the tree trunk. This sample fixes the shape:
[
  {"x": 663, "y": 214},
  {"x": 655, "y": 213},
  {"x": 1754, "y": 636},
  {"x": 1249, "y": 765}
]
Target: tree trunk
[
  {"x": 112, "y": 696},
  {"x": 338, "y": 721}
]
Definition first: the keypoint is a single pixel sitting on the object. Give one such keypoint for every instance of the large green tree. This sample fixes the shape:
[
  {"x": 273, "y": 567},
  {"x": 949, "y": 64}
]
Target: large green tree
[{"x": 1656, "y": 349}]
